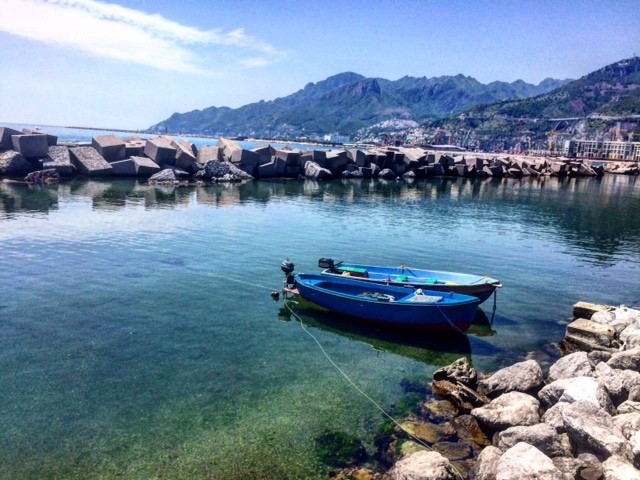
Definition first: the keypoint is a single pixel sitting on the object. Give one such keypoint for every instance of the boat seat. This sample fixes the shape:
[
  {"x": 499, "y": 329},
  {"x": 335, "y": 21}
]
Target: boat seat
[
  {"x": 425, "y": 298},
  {"x": 354, "y": 272}
]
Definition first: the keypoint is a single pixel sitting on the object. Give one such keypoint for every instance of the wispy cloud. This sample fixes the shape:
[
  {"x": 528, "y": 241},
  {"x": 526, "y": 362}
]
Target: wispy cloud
[{"x": 116, "y": 32}]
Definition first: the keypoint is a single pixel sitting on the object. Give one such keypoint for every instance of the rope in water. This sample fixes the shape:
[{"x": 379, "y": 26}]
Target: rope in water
[
  {"x": 340, "y": 370},
  {"x": 356, "y": 388}
]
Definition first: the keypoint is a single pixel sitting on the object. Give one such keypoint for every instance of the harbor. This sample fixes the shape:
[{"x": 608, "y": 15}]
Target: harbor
[{"x": 139, "y": 327}]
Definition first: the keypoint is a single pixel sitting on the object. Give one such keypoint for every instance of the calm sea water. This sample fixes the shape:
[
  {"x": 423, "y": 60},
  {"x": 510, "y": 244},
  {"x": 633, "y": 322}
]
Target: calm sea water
[{"x": 139, "y": 340}]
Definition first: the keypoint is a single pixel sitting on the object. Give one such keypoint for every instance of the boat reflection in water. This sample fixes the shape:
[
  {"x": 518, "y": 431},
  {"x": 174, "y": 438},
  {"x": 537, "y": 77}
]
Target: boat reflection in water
[
  {"x": 482, "y": 326},
  {"x": 438, "y": 349}
]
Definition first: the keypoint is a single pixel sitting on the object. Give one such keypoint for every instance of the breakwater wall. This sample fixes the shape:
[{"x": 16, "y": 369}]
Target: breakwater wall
[
  {"x": 578, "y": 418},
  {"x": 37, "y": 157}
]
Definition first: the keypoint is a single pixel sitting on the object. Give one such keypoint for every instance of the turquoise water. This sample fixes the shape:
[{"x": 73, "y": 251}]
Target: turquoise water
[{"x": 139, "y": 340}]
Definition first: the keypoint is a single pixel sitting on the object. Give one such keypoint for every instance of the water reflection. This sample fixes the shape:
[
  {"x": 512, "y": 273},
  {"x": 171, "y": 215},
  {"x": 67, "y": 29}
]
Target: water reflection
[
  {"x": 599, "y": 217},
  {"x": 432, "y": 349}
]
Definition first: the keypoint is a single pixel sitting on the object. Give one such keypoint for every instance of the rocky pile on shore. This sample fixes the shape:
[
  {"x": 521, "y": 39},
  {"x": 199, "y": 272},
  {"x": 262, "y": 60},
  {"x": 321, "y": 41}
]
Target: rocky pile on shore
[
  {"x": 580, "y": 420},
  {"x": 165, "y": 160},
  {"x": 577, "y": 419}
]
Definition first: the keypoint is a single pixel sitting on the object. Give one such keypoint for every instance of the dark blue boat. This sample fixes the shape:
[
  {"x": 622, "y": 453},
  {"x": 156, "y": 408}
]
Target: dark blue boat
[
  {"x": 465, "y": 283},
  {"x": 388, "y": 304}
]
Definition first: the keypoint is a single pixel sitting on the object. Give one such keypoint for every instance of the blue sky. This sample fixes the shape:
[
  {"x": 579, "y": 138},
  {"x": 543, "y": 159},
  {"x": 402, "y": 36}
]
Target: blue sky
[{"x": 130, "y": 64}]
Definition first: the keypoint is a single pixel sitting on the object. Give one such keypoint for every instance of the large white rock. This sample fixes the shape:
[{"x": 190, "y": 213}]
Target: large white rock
[
  {"x": 519, "y": 377},
  {"x": 574, "y": 389},
  {"x": 573, "y": 365},
  {"x": 423, "y": 466},
  {"x": 486, "y": 466},
  {"x": 592, "y": 430},
  {"x": 508, "y": 410},
  {"x": 542, "y": 436},
  {"x": 626, "y": 360},
  {"x": 619, "y": 468},
  {"x": 524, "y": 462}
]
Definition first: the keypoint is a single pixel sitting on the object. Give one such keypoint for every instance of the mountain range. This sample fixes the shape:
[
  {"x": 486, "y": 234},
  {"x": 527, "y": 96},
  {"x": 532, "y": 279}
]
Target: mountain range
[
  {"x": 352, "y": 105},
  {"x": 349, "y": 102}
]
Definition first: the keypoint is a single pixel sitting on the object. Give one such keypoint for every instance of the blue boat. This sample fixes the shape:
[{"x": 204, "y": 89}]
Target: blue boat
[
  {"x": 388, "y": 304},
  {"x": 478, "y": 286}
]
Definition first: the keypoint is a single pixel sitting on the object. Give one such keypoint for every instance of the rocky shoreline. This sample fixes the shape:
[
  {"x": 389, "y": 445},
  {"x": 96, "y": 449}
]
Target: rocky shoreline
[
  {"x": 36, "y": 157},
  {"x": 577, "y": 419}
]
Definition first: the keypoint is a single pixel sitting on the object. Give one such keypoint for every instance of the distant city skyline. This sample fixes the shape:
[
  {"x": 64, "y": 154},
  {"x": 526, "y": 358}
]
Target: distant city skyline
[{"x": 130, "y": 64}]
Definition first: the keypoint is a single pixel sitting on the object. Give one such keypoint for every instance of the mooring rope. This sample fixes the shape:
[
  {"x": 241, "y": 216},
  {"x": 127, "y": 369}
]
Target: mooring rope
[
  {"x": 339, "y": 369},
  {"x": 356, "y": 388},
  {"x": 239, "y": 281}
]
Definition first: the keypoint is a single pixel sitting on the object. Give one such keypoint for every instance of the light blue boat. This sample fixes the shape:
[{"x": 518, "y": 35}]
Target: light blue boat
[
  {"x": 388, "y": 304},
  {"x": 478, "y": 286}
]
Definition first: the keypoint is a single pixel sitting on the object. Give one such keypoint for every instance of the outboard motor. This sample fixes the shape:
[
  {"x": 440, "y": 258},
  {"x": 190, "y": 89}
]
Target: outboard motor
[
  {"x": 287, "y": 267},
  {"x": 327, "y": 263}
]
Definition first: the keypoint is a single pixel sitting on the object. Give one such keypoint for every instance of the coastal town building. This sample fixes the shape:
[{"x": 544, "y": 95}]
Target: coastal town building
[
  {"x": 605, "y": 150},
  {"x": 336, "y": 138}
]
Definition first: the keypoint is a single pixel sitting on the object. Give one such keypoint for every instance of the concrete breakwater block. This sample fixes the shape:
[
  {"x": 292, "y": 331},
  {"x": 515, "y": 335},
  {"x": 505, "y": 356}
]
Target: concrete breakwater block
[
  {"x": 59, "y": 159},
  {"x": 13, "y": 164},
  {"x": 585, "y": 335},
  {"x": 52, "y": 140},
  {"x": 31, "y": 146},
  {"x": 5, "y": 137},
  {"x": 89, "y": 162},
  {"x": 207, "y": 154},
  {"x": 134, "y": 146},
  {"x": 185, "y": 157},
  {"x": 160, "y": 151},
  {"x": 586, "y": 309},
  {"x": 135, "y": 167},
  {"x": 110, "y": 147}
]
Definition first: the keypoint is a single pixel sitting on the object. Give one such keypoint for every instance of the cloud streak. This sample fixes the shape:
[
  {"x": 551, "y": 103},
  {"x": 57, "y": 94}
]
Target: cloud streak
[{"x": 116, "y": 32}]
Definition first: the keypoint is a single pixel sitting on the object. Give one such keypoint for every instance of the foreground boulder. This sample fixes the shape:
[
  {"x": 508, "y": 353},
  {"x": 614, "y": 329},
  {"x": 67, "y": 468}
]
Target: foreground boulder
[
  {"x": 524, "y": 462},
  {"x": 541, "y": 436},
  {"x": 508, "y": 410},
  {"x": 571, "y": 390},
  {"x": 520, "y": 377},
  {"x": 576, "y": 364},
  {"x": 423, "y": 466},
  {"x": 592, "y": 430}
]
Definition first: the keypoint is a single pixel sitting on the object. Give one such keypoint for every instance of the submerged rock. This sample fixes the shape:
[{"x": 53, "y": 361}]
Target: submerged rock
[
  {"x": 459, "y": 371},
  {"x": 43, "y": 176}
]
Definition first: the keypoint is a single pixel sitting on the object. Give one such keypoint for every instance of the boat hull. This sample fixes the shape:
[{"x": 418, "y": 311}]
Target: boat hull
[
  {"x": 362, "y": 300},
  {"x": 478, "y": 286}
]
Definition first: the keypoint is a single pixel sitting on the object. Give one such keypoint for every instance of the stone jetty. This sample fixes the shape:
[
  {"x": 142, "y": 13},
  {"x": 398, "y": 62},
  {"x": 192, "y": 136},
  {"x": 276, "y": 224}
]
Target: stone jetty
[
  {"x": 37, "y": 157},
  {"x": 577, "y": 419}
]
